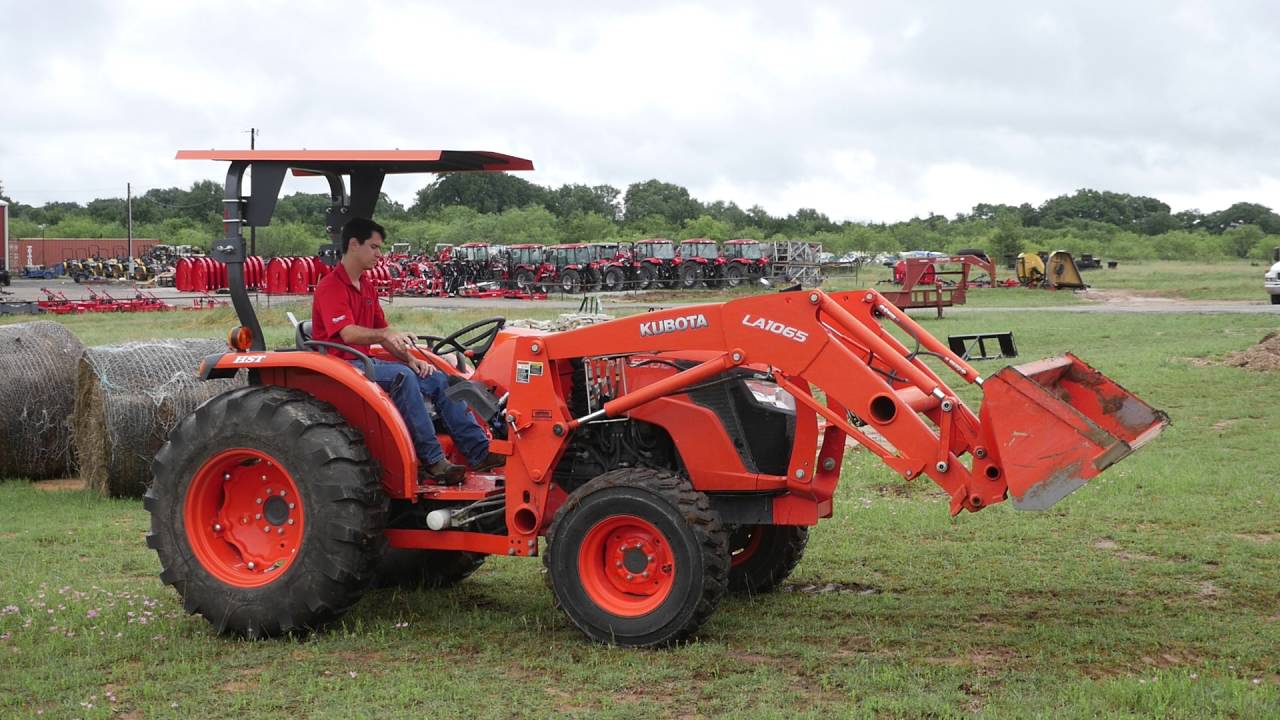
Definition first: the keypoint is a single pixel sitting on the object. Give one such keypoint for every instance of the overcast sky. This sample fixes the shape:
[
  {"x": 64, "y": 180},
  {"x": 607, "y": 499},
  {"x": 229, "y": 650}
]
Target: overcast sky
[{"x": 860, "y": 110}]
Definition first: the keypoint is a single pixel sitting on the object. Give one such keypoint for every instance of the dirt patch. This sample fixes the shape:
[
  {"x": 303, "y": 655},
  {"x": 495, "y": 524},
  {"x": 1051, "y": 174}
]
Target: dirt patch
[
  {"x": 824, "y": 588},
  {"x": 1127, "y": 296},
  {"x": 1207, "y": 591},
  {"x": 1263, "y": 357},
  {"x": 1260, "y": 538},
  {"x": 1114, "y": 548},
  {"x": 1224, "y": 424},
  {"x": 60, "y": 485}
]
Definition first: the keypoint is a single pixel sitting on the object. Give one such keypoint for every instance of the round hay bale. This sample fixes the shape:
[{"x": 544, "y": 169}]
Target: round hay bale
[
  {"x": 128, "y": 398},
  {"x": 38, "y": 363}
]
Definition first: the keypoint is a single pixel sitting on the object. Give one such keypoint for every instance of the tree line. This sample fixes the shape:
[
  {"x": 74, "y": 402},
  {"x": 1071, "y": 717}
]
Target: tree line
[{"x": 502, "y": 208}]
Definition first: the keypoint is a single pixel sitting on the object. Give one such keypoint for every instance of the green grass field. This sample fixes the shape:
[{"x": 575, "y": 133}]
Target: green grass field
[{"x": 1153, "y": 592}]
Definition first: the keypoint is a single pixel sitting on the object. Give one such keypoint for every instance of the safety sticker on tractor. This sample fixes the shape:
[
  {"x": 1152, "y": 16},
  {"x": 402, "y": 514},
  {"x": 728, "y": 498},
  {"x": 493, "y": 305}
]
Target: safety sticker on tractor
[{"x": 526, "y": 369}]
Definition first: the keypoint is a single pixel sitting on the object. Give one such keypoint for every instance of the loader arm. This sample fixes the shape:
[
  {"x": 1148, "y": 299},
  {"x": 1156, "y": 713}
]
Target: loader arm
[{"x": 1042, "y": 431}]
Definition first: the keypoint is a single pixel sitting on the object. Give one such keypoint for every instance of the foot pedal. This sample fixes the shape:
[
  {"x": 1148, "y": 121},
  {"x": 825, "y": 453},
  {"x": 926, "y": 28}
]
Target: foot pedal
[{"x": 983, "y": 346}]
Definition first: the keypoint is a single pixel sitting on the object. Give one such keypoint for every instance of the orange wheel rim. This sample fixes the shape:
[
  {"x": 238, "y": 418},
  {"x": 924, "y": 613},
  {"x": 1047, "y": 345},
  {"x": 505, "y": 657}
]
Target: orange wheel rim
[
  {"x": 244, "y": 518},
  {"x": 754, "y": 539},
  {"x": 626, "y": 566}
]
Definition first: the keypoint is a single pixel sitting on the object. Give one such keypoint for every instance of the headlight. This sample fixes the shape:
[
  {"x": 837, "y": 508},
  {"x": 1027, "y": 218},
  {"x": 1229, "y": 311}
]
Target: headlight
[{"x": 768, "y": 393}]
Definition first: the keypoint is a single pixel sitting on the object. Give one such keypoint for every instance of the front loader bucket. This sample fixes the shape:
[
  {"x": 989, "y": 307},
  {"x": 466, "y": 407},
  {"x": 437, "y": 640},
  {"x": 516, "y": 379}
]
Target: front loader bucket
[{"x": 1057, "y": 423}]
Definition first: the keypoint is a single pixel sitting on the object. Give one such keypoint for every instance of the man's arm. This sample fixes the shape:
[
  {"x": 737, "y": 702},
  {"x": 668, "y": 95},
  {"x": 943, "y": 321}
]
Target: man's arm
[{"x": 395, "y": 342}]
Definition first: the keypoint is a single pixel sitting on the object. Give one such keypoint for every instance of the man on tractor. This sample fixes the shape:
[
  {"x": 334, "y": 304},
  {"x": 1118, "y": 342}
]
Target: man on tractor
[{"x": 345, "y": 310}]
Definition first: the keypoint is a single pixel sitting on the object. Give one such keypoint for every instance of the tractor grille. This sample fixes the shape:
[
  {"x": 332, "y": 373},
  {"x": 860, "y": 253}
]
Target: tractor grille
[{"x": 761, "y": 435}]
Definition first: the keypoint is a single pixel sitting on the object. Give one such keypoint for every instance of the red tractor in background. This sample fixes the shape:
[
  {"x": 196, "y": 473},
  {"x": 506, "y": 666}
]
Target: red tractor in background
[
  {"x": 526, "y": 268},
  {"x": 616, "y": 266},
  {"x": 744, "y": 261},
  {"x": 575, "y": 268},
  {"x": 654, "y": 461},
  {"x": 700, "y": 262},
  {"x": 659, "y": 265}
]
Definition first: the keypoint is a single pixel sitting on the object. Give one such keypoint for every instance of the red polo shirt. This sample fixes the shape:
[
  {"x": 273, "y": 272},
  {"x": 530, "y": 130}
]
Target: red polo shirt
[{"x": 338, "y": 303}]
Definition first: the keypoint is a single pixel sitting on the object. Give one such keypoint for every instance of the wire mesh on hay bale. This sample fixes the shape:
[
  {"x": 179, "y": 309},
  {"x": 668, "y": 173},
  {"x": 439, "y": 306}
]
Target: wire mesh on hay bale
[
  {"x": 128, "y": 398},
  {"x": 38, "y": 362}
]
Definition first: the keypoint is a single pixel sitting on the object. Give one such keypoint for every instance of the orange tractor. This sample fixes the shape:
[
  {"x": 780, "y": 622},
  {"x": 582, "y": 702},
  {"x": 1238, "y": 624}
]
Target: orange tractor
[{"x": 654, "y": 462}]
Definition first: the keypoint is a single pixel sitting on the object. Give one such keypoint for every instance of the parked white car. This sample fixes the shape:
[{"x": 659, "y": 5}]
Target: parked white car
[{"x": 1271, "y": 281}]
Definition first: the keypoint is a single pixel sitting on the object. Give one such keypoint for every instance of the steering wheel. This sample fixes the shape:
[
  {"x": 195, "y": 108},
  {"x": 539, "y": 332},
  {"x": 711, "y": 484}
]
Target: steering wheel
[{"x": 471, "y": 341}]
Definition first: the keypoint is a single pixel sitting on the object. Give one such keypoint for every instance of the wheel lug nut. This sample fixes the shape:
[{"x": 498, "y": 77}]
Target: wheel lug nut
[
  {"x": 290, "y": 521},
  {"x": 630, "y": 576},
  {"x": 217, "y": 527},
  {"x": 282, "y": 493},
  {"x": 291, "y": 505},
  {"x": 258, "y": 516},
  {"x": 258, "y": 500},
  {"x": 644, "y": 574},
  {"x": 280, "y": 531},
  {"x": 266, "y": 529},
  {"x": 618, "y": 564},
  {"x": 251, "y": 565},
  {"x": 226, "y": 476},
  {"x": 649, "y": 558}
]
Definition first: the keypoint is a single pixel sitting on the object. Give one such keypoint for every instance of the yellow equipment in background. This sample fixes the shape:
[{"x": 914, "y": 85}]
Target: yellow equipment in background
[{"x": 1057, "y": 271}]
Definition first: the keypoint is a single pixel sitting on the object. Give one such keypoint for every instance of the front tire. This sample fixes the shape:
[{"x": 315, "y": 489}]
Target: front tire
[
  {"x": 266, "y": 512},
  {"x": 1275, "y": 299},
  {"x": 762, "y": 556},
  {"x": 637, "y": 558},
  {"x": 733, "y": 276}
]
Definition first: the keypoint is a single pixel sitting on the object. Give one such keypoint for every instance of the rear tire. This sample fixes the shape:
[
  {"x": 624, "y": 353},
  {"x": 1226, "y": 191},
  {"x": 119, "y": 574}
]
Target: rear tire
[
  {"x": 524, "y": 280},
  {"x": 570, "y": 282},
  {"x": 613, "y": 279},
  {"x": 425, "y": 569},
  {"x": 1275, "y": 299},
  {"x": 690, "y": 276},
  {"x": 290, "y": 564},
  {"x": 733, "y": 275},
  {"x": 647, "y": 277},
  {"x": 637, "y": 558},
  {"x": 762, "y": 556}
]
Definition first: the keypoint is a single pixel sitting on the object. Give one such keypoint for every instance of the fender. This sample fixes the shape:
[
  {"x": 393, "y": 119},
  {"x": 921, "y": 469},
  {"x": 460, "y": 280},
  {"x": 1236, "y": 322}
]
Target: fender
[{"x": 362, "y": 403}]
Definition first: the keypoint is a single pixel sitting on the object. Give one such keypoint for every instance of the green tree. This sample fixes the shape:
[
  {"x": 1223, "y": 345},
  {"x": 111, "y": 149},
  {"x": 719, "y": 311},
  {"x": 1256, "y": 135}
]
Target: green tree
[
  {"x": 482, "y": 192},
  {"x": 583, "y": 227},
  {"x": 656, "y": 198},
  {"x": 1007, "y": 240},
  {"x": 600, "y": 200},
  {"x": 705, "y": 226}
]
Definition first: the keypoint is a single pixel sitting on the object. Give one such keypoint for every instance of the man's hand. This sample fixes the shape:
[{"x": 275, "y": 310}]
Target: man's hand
[
  {"x": 398, "y": 343},
  {"x": 421, "y": 367}
]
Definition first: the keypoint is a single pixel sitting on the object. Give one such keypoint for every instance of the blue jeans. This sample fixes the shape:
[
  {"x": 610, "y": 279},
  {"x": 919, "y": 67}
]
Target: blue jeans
[{"x": 408, "y": 396}]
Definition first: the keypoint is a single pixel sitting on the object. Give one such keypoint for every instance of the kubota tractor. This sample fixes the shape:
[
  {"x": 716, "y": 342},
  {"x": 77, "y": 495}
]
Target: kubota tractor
[{"x": 654, "y": 462}]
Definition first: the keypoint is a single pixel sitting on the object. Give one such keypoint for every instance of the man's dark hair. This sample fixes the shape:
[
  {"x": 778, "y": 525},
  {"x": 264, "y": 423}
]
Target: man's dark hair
[{"x": 360, "y": 229}]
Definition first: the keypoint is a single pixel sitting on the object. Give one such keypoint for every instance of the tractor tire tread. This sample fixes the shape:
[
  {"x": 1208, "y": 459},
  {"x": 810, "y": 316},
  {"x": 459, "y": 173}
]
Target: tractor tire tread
[
  {"x": 692, "y": 505},
  {"x": 345, "y": 501}
]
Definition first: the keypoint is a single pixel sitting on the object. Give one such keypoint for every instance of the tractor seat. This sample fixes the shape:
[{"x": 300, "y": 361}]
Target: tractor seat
[{"x": 301, "y": 334}]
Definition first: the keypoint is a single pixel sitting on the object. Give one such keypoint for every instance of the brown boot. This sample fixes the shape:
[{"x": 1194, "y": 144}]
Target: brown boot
[
  {"x": 491, "y": 460},
  {"x": 442, "y": 473}
]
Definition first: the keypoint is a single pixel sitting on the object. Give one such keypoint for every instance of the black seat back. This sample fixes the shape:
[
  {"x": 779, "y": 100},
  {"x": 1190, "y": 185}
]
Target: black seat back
[{"x": 301, "y": 334}]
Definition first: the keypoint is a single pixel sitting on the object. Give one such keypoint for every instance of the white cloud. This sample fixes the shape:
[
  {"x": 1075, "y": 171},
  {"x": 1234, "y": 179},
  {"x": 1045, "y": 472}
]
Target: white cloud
[{"x": 874, "y": 112}]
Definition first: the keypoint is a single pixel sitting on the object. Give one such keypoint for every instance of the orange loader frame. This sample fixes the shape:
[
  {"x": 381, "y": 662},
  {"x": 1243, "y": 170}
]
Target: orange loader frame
[{"x": 1044, "y": 428}]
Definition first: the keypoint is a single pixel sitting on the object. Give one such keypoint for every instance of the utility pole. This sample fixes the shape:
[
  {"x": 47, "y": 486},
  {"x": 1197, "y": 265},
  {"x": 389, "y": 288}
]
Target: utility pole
[
  {"x": 128, "y": 191},
  {"x": 253, "y": 231}
]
